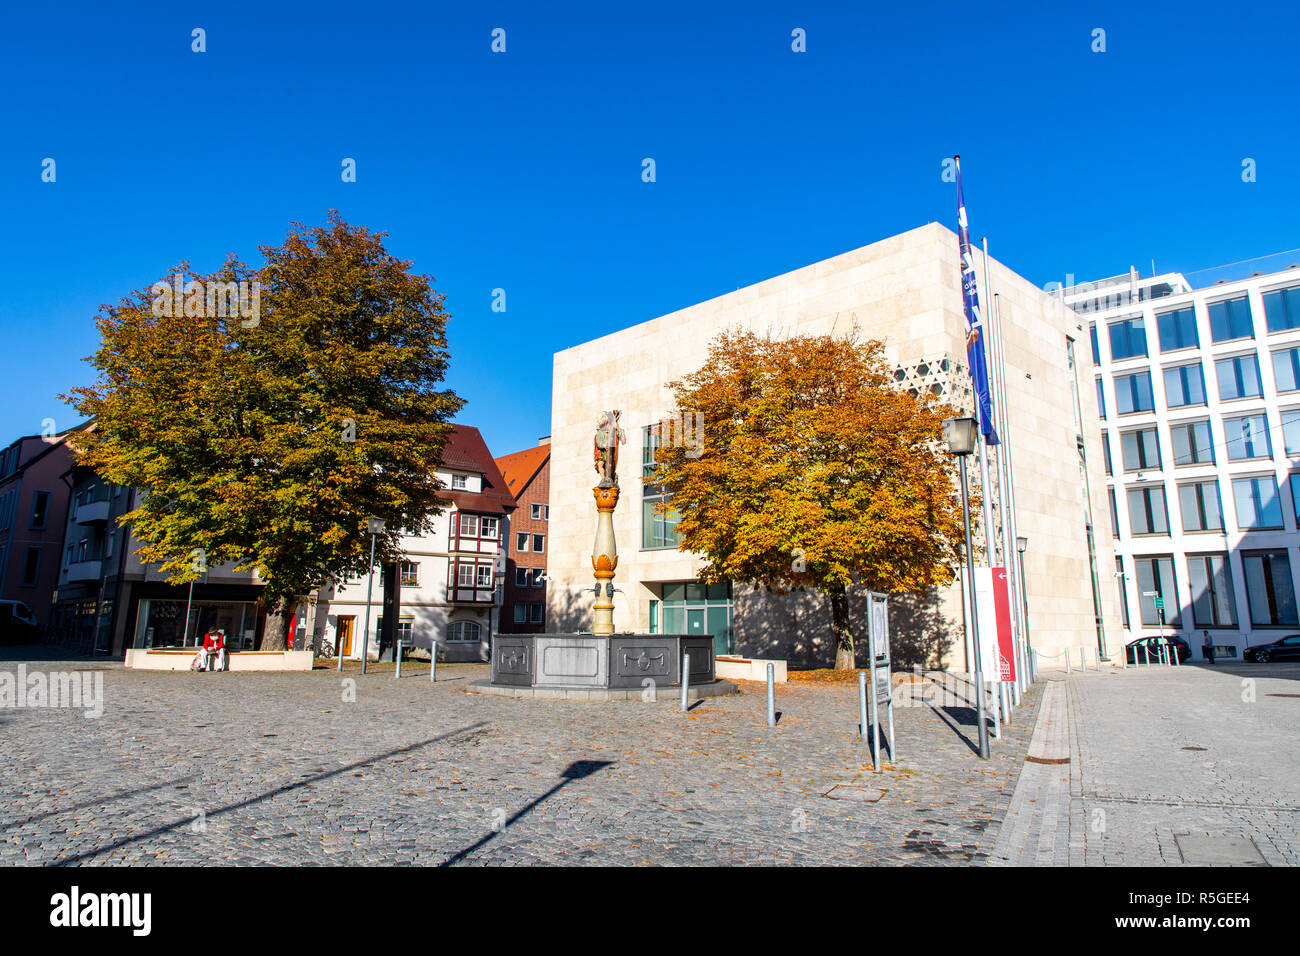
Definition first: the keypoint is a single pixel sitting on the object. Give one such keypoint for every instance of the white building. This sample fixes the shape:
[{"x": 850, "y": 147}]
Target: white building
[
  {"x": 450, "y": 573},
  {"x": 1199, "y": 395}
]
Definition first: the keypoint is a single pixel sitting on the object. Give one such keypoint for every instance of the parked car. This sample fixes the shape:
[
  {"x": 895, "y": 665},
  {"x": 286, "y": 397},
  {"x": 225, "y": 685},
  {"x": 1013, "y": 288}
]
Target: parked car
[
  {"x": 1136, "y": 654},
  {"x": 18, "y": 623},
  {"x": 1283, "y": 649}
]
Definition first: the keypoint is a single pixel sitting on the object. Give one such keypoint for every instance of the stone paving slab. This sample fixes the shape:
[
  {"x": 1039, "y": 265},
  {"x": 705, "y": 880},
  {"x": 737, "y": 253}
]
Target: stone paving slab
[
  {"x": 1162, "y": 759},
  {"x": 318, "y": 768}
]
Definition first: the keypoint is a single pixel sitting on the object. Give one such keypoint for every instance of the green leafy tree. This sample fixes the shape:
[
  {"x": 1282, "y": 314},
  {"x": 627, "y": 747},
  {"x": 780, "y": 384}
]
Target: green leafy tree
[
  {"x": 267, "y": 435},
  {"x": 816, "y": 472}
]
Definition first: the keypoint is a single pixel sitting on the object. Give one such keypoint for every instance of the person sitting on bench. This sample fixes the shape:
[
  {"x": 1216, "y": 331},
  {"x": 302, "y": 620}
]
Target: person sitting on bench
[{"x": 214, "y": 647}]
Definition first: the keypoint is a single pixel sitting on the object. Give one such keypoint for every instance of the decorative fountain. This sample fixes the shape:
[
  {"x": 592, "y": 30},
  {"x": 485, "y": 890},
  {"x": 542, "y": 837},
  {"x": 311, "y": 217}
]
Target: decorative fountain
[{"x": 601, "y": 664}]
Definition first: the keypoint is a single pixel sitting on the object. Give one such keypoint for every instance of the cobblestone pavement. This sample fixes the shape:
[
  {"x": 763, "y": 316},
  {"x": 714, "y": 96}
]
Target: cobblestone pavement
[
  {"x": 1167, "y": 766},
  {"x": 279, "y": 768}
]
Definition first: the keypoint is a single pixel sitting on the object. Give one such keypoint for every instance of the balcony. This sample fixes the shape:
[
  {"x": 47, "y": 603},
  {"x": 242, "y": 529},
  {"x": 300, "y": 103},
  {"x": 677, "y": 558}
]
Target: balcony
[
  {"x": 91, "y": 512},
  {"x": 84, "y": 571}
]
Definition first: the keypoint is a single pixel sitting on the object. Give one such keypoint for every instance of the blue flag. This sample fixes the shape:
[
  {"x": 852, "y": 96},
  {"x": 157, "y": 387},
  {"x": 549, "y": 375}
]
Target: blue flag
[{"x": 979, "y": 373}]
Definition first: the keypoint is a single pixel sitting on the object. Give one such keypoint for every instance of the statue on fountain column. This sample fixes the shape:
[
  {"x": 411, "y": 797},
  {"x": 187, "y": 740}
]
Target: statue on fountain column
[
  {"x": 604, "y": 555},
  {"x": 605, "y": 448}
]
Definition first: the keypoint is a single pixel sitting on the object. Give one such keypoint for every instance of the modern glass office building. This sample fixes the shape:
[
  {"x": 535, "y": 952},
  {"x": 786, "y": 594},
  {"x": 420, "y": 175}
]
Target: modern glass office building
[{"x": 1199, "y": 397}]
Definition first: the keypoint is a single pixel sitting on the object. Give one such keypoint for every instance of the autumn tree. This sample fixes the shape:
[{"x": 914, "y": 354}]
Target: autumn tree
[
  {"x": 267, "y": 422},
  {"x": 815, "y": 471}
]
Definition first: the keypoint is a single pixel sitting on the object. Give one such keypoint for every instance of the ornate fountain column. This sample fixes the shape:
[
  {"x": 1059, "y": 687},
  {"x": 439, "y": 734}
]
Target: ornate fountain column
[
  {"x": 604, "y": 560},
  {"x": 604, "y": 554}
]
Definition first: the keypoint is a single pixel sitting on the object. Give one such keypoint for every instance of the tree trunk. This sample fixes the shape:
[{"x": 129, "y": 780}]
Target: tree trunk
[
  {"x": 274, "y": 638},
  {"x": 845, "y": 658}
]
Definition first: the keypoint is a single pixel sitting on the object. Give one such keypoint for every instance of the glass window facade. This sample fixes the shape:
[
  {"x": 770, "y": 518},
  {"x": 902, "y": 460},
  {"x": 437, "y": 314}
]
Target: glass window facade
[
  {"x": 658, "y": 529},
  {"x": 1177, "y": 330},
  {"x": 1286, "y": 369},
  {"x": 696, "y": 609},
  {"x": 1230, "y": 319},
  {"x": 1192, "y": 443},
  {"x": 1213, "y": 604},
  {"x": 1184, "y": 385},
  {"x": 1133, "y": 393},
  {"x": 1101, "y": 400},
  {"x": 1238, "y": 377},
  {"x": 1199, "y": 504},
  {"x": 1147, "y": 513},
  {"x": 1157, "y": 574},
  {"x": 162, "y": 623},
  {"x": 1291, "y": 431},
  {"x": 1247, "y": 437},
  {"x": 1141, "y": 450},
  {"x": 1282, "y": 309},
  {"x": 1258, "y": 506},
  {"x": 1096, "y": 352},
  {"x": 1128, "y": 339},
  {"x": 1269, "y": 590}
]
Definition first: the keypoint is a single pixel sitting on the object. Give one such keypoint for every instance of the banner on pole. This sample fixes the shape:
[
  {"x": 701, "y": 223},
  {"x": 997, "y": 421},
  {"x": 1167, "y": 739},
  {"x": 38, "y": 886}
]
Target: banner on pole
[{"x": 997, "y": 649}]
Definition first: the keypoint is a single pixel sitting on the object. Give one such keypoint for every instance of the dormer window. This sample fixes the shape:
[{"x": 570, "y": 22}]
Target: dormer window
[{"x": 459, "y": 481}]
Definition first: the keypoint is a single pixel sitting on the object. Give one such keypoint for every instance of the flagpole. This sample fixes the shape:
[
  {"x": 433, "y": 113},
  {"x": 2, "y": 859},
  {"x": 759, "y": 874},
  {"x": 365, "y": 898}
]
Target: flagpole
[
  {"x": 990, "y": 528},
  {"x": 977, "y": 360},
  {"x": 1004, "y": 488}
]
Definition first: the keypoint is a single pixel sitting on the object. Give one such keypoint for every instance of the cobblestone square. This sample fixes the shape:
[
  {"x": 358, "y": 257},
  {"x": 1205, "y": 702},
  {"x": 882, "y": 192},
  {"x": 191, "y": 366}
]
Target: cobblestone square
[{"x": 248, "y": 768}]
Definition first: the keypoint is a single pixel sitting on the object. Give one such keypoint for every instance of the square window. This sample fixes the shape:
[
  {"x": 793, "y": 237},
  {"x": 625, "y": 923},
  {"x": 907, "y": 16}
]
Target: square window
[
  {"x": 535, "y": 613},
  {"x": 1247, "y": 437},
  {"x": 1177, "y": 329},
  {"x": 1286, "y": 369},
  {"x": 521, "y": 540},
  {"x": 1238, "y": 377},
  {"x": 469, "y": 526},
  {"x": 1230, "y": 319},
  {"x": 459, "y": 481},
  {"x": 1133, "y": 393},
  {"x": 1199, "y": 504},
  {"x": 522, "y": 578},
  {"x": 1192, "y": 443},
  {"x": 1146, "y": 510},
  {"x": 539, "y": 543},
  {"x": 1269, "y": 591},
  {"x": 489, "y": 529},
  {"x": 521, "y": 612},
  {"x": 484, "y": 576},
  {"x": 1257, "y": 501},
  {"x": 1184, "y": 385},
  {"x": 1141, "y": 450},
  {"x": 1128, "y": 339},
  {"x": 1282, "y": 309}
]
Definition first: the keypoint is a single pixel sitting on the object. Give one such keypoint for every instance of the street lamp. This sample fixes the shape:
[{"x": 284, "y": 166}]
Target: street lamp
[
  {"x": 375, "y": 526},
  {"x": 1022, "y": 545},
  {"x": 961, "y": 435}
]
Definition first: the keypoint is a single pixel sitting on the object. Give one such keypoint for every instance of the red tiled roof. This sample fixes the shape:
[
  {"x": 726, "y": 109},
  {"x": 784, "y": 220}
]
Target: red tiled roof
[
  {"x": 466, "y": 451},
  {"x": 520, "y": 467}
]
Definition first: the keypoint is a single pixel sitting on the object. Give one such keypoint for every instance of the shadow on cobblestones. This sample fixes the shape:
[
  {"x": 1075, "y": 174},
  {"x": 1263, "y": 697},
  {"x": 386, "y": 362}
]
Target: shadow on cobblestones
[{"x": 271, "y": 794}]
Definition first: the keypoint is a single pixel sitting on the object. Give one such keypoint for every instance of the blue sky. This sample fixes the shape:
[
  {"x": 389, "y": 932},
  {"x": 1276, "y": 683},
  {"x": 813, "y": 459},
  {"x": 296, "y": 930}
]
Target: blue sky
[{"x": 522, "y": 170}]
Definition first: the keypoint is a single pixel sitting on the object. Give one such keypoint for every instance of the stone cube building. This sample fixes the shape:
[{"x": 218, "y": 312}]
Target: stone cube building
[{"x": 906, "y": 291}]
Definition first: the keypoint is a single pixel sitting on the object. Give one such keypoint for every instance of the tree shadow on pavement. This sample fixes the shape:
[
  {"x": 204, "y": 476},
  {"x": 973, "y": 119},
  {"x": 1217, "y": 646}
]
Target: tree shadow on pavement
[{"x": 270, "y": 794}]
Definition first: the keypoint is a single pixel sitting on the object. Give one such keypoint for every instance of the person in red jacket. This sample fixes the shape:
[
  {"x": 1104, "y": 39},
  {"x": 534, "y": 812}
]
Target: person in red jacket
[{"x": 214, "y": 648}]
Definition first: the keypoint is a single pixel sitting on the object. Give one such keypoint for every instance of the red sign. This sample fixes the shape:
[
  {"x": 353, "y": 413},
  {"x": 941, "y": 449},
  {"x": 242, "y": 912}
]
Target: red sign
[{"x": 1002, "y": 610}]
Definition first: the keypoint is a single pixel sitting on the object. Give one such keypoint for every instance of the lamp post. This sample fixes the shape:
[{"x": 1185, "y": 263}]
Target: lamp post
[
  {"x": 1022, "y": 544},
  {"x": 376, "y": 527},
  {"x": 960, "y": 434}
]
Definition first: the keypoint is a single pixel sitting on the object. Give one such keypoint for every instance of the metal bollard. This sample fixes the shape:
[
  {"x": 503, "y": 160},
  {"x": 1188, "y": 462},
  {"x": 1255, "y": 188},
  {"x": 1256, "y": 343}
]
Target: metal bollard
[
  {"x": 433, "y": 662},
  {"x": 398, "y": 656},
  {"x": 862, "y": 704},
  {"x": 1174, "y": 653},
  {"x": 771, "y": 695},
  {"x": 686, "y": 678},
  {"x": 997, "y": 711},
  {"x": 1067, "y": 660}
]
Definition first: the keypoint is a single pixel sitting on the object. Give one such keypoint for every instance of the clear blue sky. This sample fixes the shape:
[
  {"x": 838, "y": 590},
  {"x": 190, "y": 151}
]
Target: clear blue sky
[{"x": 523, "y": 170}]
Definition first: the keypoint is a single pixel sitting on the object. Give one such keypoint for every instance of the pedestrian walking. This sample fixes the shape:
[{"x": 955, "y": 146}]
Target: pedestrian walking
[{"x": 1207, "y": 648}]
